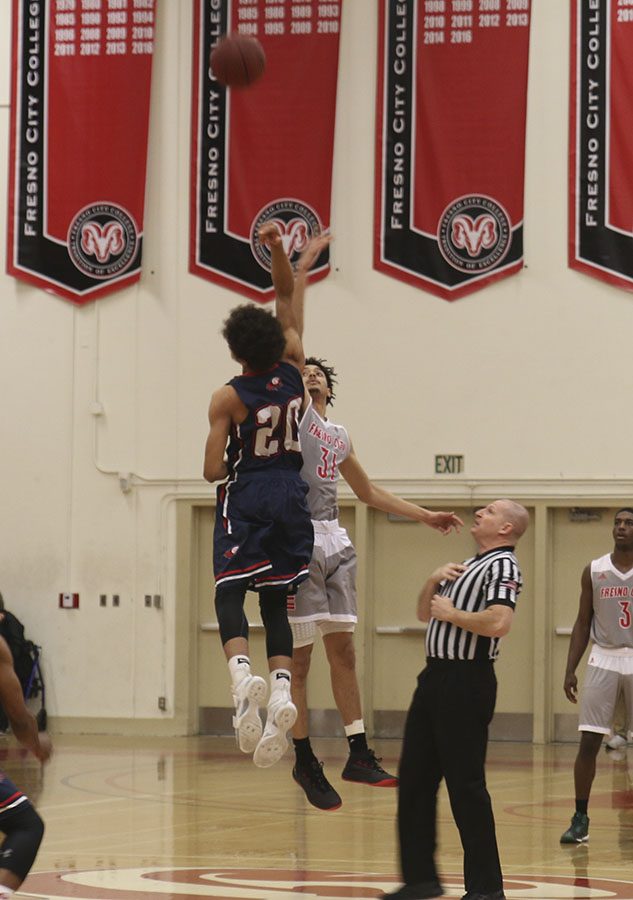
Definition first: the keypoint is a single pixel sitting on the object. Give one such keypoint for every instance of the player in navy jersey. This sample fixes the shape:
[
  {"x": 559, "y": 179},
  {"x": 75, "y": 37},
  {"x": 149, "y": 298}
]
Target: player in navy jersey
[
  {"x": 21, "y": 825},
  {"x": 263, "y": 533}
]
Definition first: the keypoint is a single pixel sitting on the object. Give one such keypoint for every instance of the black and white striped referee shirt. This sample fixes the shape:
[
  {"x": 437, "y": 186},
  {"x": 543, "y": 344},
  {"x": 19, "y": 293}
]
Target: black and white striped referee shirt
[{"x": 491, "y": 577}]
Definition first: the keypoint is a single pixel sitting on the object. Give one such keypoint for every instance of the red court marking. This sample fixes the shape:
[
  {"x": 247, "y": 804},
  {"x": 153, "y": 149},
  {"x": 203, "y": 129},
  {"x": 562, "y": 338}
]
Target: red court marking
[{"x": 222, "y": 884}]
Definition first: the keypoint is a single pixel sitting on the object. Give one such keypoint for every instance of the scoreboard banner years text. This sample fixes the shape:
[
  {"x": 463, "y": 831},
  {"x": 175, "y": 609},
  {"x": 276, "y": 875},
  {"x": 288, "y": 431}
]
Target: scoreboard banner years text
[
  {"x": 81, "y": 73},
  {"x": 450, "y": 142},
  {"x": 262, "y": 153},
  {"x": 601, "y": 141}
]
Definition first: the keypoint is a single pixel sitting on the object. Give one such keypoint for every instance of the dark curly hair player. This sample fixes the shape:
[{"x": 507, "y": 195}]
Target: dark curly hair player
[
  {"x": 263, "y": 534},
  {"x": 255, "y": 338}
]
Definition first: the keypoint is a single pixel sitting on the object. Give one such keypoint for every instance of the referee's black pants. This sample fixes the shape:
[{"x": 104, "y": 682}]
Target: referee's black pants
[{"x": 445, "y": 736}]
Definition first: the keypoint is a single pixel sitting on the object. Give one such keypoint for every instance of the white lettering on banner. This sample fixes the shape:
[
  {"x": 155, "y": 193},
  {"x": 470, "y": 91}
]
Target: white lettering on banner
[
  {"x": 215, "y": 20},
  {"x": 460, "y": 21},
  {"x": 213, "y": 183},
  {"x": 103, "y": 32},
  {"x": 399, "y": 121},
  {"x": 32, "y": 193},
  {"x": 400, "y": 62},
  {"x": 213, "y": 127},
  {"x": 32, "y": 122},
  {"x": 592, "y": 117}
]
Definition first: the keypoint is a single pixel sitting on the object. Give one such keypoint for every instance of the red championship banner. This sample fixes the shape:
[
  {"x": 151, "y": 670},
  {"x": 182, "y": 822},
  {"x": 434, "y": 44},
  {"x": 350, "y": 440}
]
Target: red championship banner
[
  {"x": 79, "y": 124},
  {"x": 601, "y": 141},
  {"x": 450, "y": 147},
  {"x": 263, "y": 152}
]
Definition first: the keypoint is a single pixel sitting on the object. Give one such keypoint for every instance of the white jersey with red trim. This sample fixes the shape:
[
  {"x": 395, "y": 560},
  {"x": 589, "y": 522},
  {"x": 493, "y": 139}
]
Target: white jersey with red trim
[
  {"x": 324, "y": 446},
  {"x": 612, "y": 623}
]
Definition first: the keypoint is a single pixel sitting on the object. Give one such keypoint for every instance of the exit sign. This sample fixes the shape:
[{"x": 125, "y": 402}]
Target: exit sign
[{"x": 449, "y": 463}]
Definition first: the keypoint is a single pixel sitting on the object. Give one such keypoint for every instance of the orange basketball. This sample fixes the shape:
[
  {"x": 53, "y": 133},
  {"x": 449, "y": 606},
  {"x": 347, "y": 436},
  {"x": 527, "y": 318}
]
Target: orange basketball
[{"x": 237, "y": 60}]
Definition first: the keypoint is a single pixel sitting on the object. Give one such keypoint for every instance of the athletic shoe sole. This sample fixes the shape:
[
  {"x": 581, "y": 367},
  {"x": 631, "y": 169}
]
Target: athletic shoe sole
[
  {"x": 274, "y": 743},
  {"x": 387, "y": 782},
  {"x": 248, "y": 726}
]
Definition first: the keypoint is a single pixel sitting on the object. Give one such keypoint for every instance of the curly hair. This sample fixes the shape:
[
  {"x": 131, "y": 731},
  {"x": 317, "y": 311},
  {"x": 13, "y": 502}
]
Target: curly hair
[
  {"x": 328, "y": 371},
  {"x": 255, "y": 337}
]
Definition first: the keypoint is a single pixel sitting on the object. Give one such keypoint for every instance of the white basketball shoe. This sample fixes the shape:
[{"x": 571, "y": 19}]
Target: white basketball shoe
[
  {"x": 615, "y": 741},
  {"x": 248, "y": 696},
  {"x": 281, "y": 716}
]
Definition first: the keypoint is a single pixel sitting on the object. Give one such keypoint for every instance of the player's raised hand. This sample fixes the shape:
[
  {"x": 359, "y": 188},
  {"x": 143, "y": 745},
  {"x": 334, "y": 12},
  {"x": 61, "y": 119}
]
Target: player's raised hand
[
  {"x": 314, "y": 248},
  {"x": 445, "y": 522},
  {"x": 269, "y": 234}
]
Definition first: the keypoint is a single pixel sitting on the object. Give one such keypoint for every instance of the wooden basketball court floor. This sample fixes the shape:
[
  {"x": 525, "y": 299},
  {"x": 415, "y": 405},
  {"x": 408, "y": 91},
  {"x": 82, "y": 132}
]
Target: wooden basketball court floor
[{"x": 155, "y": 818}]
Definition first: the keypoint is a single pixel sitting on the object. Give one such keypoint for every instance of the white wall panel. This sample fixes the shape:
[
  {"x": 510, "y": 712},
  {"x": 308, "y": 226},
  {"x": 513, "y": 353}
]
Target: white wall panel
[{"x": 511, "y": 376}]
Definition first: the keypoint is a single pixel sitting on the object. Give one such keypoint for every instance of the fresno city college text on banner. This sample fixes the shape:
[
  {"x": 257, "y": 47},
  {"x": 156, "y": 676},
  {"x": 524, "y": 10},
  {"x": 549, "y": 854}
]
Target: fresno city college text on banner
[
  {"x": 81, "y": 73},
  {"x": 450, "y": 142},
  {"x": 601, "y": 142},
  {"x": 262, "y": 153}
]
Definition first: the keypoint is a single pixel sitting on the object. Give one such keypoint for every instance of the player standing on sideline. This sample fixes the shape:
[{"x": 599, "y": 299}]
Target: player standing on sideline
[
  {"x": 617, "y": 738},
  {"x": 469, "y": 608},
  {"x": 605, "y": 614},
  {"x": 263, "y": 534},
  {"x": 20, "y": 823},
  {"x": 327, "y": 600}
]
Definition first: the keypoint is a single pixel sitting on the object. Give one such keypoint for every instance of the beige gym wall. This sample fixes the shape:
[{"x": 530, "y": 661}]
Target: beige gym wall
[{"x": 517, "y": 377}]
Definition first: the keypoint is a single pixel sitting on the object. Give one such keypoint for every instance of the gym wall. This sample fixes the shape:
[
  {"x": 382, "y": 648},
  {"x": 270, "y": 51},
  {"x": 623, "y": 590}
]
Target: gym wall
[{"x": 104, "y": 414}]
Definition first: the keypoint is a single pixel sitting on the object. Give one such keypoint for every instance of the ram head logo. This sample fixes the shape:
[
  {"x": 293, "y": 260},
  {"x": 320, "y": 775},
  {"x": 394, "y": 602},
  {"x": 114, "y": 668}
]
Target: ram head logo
[
  {"x": 295, "y": 235},
  {"x": 474, "y": 235},
  {"x": 102, "y": 241}
]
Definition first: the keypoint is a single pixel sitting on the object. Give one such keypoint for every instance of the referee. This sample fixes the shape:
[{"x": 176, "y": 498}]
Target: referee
[{"x": 469, "y": 607}]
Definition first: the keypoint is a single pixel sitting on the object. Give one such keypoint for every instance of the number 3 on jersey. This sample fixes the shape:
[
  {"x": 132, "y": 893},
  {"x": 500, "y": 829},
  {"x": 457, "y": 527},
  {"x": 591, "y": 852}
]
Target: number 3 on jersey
[
  {"x": 276, "y": 425},
  {"x": 625, "y": 619},
  {"x": 327, "y": 469}
]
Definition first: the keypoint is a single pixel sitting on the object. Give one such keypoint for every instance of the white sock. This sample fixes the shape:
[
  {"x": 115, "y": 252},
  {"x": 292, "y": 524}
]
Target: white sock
[
  {"x": 5, "y": 892},
  {"x": 356, "y": 727},
  {"x": 279, "y": 680},
  {"x": 239, "y": 668}
]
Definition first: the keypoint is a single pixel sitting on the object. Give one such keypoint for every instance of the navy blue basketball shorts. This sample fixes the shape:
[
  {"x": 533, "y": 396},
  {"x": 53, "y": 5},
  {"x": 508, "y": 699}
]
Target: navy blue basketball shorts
[
  {"x": 11, "y": 799},
  {"x": 263, "y": 532}
]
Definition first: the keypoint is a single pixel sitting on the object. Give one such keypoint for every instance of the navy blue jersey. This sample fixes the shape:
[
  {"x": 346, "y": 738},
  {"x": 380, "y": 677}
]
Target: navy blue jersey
[{"x": 268, "y": 438}]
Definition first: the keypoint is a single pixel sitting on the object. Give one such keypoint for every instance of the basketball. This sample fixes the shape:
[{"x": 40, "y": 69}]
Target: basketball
[{"x": 237, "y": 60}]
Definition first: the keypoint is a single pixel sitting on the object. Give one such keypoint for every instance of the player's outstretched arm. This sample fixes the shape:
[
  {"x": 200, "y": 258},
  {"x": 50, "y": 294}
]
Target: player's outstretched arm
[
  {"x": 220, "y": 420},
  {"x": 311, "y": 253},
  {"x": 284, "y": 282},
  {"x": 23, "y": 723},
  {"x": 580, "y": 635},
  {"x": 281, "y": 270},
  {"x": 372, "y": 495}
]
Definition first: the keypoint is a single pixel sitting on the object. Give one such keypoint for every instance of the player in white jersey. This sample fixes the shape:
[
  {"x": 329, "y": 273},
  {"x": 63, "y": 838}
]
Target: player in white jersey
[
  {"x": 605, "y": 615},
  {"x": 326, "y": 601}
]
